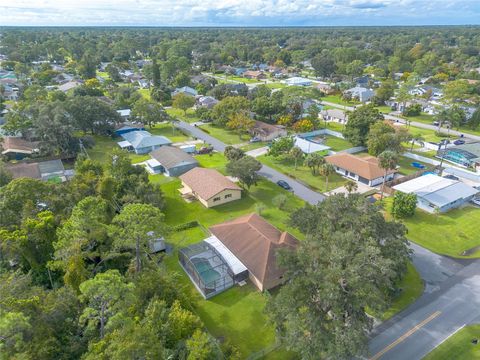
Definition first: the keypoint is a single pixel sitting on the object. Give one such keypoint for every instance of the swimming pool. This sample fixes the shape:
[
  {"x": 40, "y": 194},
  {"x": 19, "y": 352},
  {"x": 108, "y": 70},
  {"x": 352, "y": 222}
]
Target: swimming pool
[{"x": 205, "y": 270}]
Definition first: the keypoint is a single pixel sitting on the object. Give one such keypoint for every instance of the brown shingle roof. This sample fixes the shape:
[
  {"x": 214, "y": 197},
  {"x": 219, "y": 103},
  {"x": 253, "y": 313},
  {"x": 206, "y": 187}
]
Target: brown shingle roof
[
  {"x": 366, "y": 167},
  {"x": 207, "y": 183},
  {"x": 24, "y": 170},
  {"x": 266, "y": 129},
  {"x": 255, "y": 243},
  {"x": 16, "y": 144}
]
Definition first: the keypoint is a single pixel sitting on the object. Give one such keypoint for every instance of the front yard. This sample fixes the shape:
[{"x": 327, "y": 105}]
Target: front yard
[
  {"x": 190, "y": 115},
  {"x": 458, "y": 346},
  {"x": 303, "y": 173},
  {"x": 227, "y": 136},
  {"x": 450, "y": 233}
]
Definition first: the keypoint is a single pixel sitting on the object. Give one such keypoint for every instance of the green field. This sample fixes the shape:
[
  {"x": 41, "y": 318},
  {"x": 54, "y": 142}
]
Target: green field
[
  {"x": 303, "y": 173},
  {"x": 450, "y": 233},
  {"x": 229, "y": 137},
  {"x": 337, "y": 99},
  {"x": 458, "y": 346}
]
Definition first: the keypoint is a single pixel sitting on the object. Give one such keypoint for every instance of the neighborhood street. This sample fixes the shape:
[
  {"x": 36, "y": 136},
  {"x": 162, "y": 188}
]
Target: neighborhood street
[
  {"x": 298, "y": 189},
  {"x": 403, "y": 121}
]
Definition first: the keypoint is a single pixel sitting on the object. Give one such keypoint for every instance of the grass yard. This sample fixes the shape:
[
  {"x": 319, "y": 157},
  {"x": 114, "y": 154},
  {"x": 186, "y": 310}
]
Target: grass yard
[
  {"x": 450, "y": 233},
  {"x": 428, "y": 135},
  {"x": 337, "y": 144},
  {"x": 103, "y": 75},
  {"x": 406, "y": 167},
  {"x": 253, "y": 146},
  {"x": 179, "y": 114},
  {"x": 167, "y": 130},
  {"x": 229, "y": 137},
  {"x": 337, "y": 99},
  {"x": 244, "y": 80},
  {"x": 335, "y": 126},
  {"x": 303, "y": 173},
  {"x": 458, "y": 346},
  {"x": 276, "y": 85},
  {"x": 411, "y": 288},
  {"x": 384, "y": 109}
]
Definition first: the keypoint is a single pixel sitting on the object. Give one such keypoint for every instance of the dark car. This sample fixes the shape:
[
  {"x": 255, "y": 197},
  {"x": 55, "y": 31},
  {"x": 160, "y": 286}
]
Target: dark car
[
  {"x": 459, "y": 142},
  {"x": 451, "y": 177},
  {"x": 205, "y": 150},
  {"x": 284, "y": 184}
]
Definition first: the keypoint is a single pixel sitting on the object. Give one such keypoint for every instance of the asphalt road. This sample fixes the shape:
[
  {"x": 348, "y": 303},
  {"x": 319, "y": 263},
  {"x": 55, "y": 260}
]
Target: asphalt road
[
  {"x": 403, "y": 121},
  {"x": 273, "y": 175}
]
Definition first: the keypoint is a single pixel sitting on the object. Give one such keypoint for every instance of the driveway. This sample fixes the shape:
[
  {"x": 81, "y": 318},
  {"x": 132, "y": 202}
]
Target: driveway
[{"x": 302, "y": 191}]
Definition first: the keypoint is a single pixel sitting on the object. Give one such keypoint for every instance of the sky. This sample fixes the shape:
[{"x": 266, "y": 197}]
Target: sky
[{"x": 238, "y": 12}]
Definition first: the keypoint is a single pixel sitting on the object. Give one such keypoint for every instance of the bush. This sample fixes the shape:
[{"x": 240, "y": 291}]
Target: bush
[
  {"x": 186, "y": 226},
  {"x": 413, "y": 110},
  {"x": 280, "y": 201},
  {"x": 404, "y": 205}
]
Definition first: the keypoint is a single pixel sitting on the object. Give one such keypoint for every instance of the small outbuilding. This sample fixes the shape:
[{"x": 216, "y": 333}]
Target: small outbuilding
[{"x": 171, "y": 161}]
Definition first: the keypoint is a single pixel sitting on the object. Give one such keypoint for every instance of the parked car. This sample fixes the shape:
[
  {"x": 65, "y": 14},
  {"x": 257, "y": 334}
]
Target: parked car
[
  {"x": 255, "y": 139},
  {"x": 284, "y": 184},
  {"x": 476, "y": 201},
  {"x": 459, "y": 142},
  {"x": 451, "y": 177}
]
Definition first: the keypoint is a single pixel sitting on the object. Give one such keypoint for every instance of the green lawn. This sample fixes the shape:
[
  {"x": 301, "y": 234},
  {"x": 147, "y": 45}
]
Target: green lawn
[
  {"x": 428, "y": 119},
  {"x": 337, "y": 99},
  {"x": 244, "y": 80},
  {"x": 458, "y": 346},
  {"x": 253, "y": 146},
  {"x": 179, "y": 114},
  {"x": 229, "y": 137},
  {"x": 167, "y": 130},
  {"x": 337, "y": 144},
  {"x": 411, "y": 288},
  {"x": 276, "y": 85},
  {"x": 450, "y": 233},
  {"x": 103, "y": 74},
  {"x": 384, "y": 109},
  {"x": 303, "y": 173},
  {"x": 406, "y": 167}
]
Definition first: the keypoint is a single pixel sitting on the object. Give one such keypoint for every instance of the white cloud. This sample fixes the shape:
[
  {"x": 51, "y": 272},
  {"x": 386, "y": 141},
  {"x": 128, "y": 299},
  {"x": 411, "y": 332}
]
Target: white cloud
[{"x": 236, "y": 12}]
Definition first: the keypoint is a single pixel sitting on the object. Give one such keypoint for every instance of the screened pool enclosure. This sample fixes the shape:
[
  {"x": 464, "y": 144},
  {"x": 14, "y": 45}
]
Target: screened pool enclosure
[{"x": 211, "y": 266}]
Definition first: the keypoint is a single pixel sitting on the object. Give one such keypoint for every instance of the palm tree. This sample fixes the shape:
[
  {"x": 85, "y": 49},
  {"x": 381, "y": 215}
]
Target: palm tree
[
  {"x": 314, "y": 161},
  {"x": 296, "y": 154},
  {"x": 326, "y": 170},
  {"x": 387, "y": 160},
  {"x": 351, "y": 186},
  {"x": 417, "y": 138}
]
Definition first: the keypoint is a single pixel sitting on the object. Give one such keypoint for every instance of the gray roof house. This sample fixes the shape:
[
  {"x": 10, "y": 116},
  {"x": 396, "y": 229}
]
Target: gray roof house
[
  {"x": 361, "y": 93},
  {"x": 142, "y": 142},
  {"x": 187, "y": 90},
  {"x": 170, "y": 161},
  {"x": 51, "y": 170}
]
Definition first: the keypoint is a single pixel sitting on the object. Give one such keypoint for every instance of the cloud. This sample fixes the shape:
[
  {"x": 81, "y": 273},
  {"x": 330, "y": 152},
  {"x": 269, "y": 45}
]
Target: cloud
[{"x": 238, "y": 12}]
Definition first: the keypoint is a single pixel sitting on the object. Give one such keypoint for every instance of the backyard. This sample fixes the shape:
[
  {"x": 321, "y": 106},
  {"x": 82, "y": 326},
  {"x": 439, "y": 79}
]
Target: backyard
[
  {"x": 337, "y": 99},
  {"x": 337, "y": 144},
  {"x": 458, "y": 346},
  {"x": 303, "y": 173},
  {"x": 450, "y": 233}
]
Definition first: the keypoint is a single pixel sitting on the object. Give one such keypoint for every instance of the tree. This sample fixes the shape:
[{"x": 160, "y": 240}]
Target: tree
[
  {"x": 113, "y": 72},
  {"x": 324, "y": 65},
  {"x": 359, "y": 122},
  {"x": 296, "y": 154},
  {"x": 241, "y": 122},
  {"x": 350, "y": 256},
  {"x": 183, "y": 102},
  {"x": 387, "y": 160},
  {"x": 135, "y": 228},
  {"x": 383, "y": 136},
  {"x": 5, "y": 174},
  {"x": 155, "y": 74},
  {"x": 149, "y": 112},
  {"x": 314, "y": 161},
  {"x": 403, "y": 205},
  {"x": 280, "y": 201},
  {"x": 105, "y": 296},
  {"x": 474, "y": 121},
  {"x": 245, "y": 169},
  {"x": 233, "y": 153},
  {"x": 89, "y": 113},
  {"x": 200, "y": 347},
  {"x": 303, "y": 125},
  {"x": 281, "y": 146},
  {"x": 351, "y": 186},
  {"x": 384, "y": 92},
  {"x": 226, "y": 108},
  {"x": 326, "y": 170},
  {"x": 417, "y": 138},
  {"x": 456, "y": 90}
]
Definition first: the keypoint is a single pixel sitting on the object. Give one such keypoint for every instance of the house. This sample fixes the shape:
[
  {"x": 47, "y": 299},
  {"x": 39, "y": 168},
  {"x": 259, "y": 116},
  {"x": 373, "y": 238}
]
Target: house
[
  {"x": 257, "y": 75},
  {"x": 187, "y": 90},
  {"x": 325, "y": 88},
  {"x": 297, "y": 81},
  {"x": 170, "y": 161},
  {"x": 334, "y": 115},
  {"x": 437, "y": 194},
  {"x": 362, "y": 169},
  {"x": 235, "y": 251},
  {"x": 267, "y": 132},
  {"x": 239, "y": 71},
  {"x": 142, "y": 142},
  {"x": 255, "y": 242},
  {"x": 124, "y": 113},
  {"x": 206, "y": 102},
  {"x": 69, "y": 86},
  {"x": 209, "y": 186},
  {"x": 360, "y": 93},
  {"x": 51, "y": 170},
  {"x": 17, "y": 148},
  {"x": 467, "y": 155}
]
